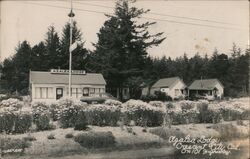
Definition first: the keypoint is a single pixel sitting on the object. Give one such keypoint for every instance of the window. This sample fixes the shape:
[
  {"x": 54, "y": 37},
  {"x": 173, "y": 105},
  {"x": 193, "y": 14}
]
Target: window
[
  {"x": 79, "y": 92},
  {"x": 37, "y": 92},
  {"x": 50, "y": 92},
  {"x": 102, "y": 90},
  {"x": 92, "y": 90},
  {"x": 43, "y": 92},
  {"x": 176, "y": 92},
  {"x": 97, "y": 90},
  {"x": 74, "y": 92}
]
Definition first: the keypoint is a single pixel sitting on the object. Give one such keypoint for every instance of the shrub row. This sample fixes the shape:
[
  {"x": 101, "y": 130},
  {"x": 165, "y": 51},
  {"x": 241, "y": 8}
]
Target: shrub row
[{"x": 112, "y": 113}]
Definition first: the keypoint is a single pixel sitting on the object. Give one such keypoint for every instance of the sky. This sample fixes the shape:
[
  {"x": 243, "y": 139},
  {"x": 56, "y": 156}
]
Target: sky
[{"x": 190, "y": 26}]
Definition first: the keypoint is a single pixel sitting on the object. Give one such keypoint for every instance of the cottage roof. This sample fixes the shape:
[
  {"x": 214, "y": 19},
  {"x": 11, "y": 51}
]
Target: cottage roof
[
  {"x": 205, "y": 84},
  {"x": 39, "y": 77},
  {"x": 166, "y": 82}
]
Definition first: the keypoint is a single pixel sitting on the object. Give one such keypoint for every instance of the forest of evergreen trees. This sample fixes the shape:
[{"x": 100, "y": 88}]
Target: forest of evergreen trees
[{"x": 121, "y": 56}]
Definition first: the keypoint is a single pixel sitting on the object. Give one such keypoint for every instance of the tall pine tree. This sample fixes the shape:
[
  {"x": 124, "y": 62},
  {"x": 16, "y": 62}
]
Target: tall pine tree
[{"x": 121, "y": 50}]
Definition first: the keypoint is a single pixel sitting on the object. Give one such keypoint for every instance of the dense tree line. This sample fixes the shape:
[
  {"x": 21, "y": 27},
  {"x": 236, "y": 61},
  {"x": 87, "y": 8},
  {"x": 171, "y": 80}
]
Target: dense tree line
[
  {"x": 120, "y": 54},
  {"x": 231, "y": 68},
  {"x": 53, "y": 52}
]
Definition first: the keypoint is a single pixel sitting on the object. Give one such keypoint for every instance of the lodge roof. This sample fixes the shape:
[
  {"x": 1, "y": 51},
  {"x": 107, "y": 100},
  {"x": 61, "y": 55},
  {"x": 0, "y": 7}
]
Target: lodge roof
[
  {"x": 205, "y": 84},
  {"x": 166, "y": 82},
  {"x": 40, "y": 77}
]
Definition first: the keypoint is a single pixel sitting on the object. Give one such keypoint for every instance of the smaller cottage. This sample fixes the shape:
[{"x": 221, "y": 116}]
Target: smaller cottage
[
  {"x": 206, "y": 87},
  {"x": 173, "y": 87}
]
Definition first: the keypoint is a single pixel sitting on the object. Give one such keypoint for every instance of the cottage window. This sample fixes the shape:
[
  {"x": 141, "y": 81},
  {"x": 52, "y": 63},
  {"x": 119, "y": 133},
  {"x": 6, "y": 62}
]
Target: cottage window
[
  {"x": 37, "y": 92},
  {"x": 92, "y": 90},
  {"x": 50, "y": 92},
  {"x": 97, "y": 90},
  {"x": 79, "y": 92},
  {"x": 44, "y": 92},
  {"x": 176, "y": 92},
  {"x": 73, "y": 92},
  {"x": 102, "y": 90}
]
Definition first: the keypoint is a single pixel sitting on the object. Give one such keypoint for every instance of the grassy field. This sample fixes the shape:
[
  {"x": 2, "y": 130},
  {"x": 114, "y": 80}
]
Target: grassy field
[{"x": 128, "y": 145}]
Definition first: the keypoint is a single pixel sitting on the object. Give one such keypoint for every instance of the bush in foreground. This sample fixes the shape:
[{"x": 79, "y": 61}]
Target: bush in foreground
[
  {"x": 103, "y": 115},
  {"x": 8, "y": 145},
  {"x": 51, "y": 137},
  {"x": 15, "y": 122},
  {"x": 96, "y": 139},
  {"x": 230, "y": 131},
  {"x": 69, "y": 135},
  {"x": 23, "y": 122},
  {"x": 142, "y": 113}
]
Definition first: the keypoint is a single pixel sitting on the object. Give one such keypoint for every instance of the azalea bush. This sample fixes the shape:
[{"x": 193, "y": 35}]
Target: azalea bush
[
  {"x": 207, "y": 114},
  {"x": 69, "y": 116},
  {"x": 8, "y": 145},
  {"x": 113, "y": 102},
  {"x": 11, "y": 104},
  {"x": 15, "y": 121},
  {"x": 103, "y": 115},
  {"x": 41, "y": 116},
  {"x": 58, "y": 108},
  {"x": 185, "y": 112},
  {"x": 23, "y": 122},
  {"x": 7, "y": 122},
  {"x": 158, "y": 104},
  {"x": 95, "y": 139},
  {"x": 142, "y": 113}
]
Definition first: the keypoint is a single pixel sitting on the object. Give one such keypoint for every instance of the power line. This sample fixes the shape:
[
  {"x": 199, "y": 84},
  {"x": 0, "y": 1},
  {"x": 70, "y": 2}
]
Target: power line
[
  {"x": 167, "y": 15},
  {"x": 55, "y": 6},
  {"x": 164, "y": 20},
  {"x": 195, "y": 24}
]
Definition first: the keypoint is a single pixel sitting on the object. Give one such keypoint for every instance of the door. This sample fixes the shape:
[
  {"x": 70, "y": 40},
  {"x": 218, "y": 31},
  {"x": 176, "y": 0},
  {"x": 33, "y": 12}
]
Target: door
[
  {"x": 59, "y": 93},
  {"x": 85, "y": 92}
]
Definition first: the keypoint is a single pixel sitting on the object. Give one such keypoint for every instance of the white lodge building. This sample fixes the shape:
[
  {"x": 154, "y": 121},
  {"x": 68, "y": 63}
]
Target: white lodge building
[{"x": 51, "y": 86}]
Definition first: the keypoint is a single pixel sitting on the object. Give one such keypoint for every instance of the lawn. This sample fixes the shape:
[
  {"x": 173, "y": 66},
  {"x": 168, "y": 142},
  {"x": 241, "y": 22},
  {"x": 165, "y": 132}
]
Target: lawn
[{"x": 128, "y": 145}]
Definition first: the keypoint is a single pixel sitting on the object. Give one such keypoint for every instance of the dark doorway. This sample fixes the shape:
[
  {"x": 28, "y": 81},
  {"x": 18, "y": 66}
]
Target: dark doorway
[
  {"x": 59, "y": 93},
  {"x": 85, "y": 92}
]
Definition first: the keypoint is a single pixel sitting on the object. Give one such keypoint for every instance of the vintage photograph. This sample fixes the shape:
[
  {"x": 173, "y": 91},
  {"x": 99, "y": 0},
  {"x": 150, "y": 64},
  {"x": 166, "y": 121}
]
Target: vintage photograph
[{"x": 124, "y": 79}]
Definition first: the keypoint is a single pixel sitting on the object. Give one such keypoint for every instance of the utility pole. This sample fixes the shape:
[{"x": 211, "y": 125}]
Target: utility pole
[{"x": 71, "y": 15}]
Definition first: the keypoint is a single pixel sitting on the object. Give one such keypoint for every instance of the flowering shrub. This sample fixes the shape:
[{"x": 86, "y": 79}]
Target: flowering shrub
[
  {"x": 39, "y": 108},
  {"x": 8, "y": 145},
  {"x": 185, "y": 112},
  {"x": 231, "y": 110},
  {"x": 58, "y": 108},
  {"x": 23, "y": 122},
  {"x": 69, "y": 116},
  {"x": 157, "y": 104},
  {"x": 55, "y": 111},
  {"x": 207, "y": 114},
  {"x": 142, "y": 113},
  {"x": 42, "y": 122},
  {"x": 15, "y": 122},
  {"x": 7, "y": 122},
  {"x": 81, "y": 120},
  {"x": 11, "y": 104},
  {"x": 113, "y": 102},
  {"x": 103, "y": 115},
  {"x": 41, "y": 116}
]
